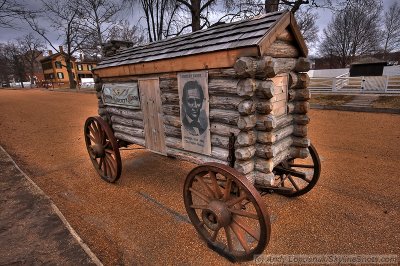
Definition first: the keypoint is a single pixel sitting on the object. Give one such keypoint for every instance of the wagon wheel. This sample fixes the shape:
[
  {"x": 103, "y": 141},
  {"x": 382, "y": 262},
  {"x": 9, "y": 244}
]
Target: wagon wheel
[
  {"x": 227, "y": 211},
  {"x": 103, "y": 149},
  {"x": 300, "y": 185}
]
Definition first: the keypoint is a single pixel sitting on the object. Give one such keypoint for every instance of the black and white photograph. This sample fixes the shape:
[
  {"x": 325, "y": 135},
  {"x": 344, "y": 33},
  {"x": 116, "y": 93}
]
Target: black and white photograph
[{"x": 194, "y": 110}]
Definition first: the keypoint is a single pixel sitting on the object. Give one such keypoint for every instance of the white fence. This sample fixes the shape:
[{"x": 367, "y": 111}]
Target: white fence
[{"x": 356, "y": 85}]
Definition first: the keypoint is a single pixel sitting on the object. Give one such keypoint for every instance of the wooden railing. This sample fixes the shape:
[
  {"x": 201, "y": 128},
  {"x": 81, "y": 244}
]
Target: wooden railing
[{"x": 355, "y": 85}]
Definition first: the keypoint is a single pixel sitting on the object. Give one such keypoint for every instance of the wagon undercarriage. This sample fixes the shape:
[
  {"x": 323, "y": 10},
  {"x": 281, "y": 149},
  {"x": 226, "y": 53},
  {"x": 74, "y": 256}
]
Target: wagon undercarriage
[{"x": 224, "y": 207}]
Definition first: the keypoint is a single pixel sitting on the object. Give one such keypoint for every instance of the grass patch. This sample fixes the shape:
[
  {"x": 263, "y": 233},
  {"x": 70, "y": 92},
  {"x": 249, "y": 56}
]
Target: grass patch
[
  {"x": 387, "y": 102},
  {"x": 331, "y": 99}
]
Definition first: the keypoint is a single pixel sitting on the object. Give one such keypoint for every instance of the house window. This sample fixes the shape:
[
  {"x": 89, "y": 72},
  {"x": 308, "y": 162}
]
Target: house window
[
  {"x": 60, "y": 75},
  {"x": 89, "y": 67},
  {"x": 58, "y": 64},
  {"x": 47, "y": 65},
  {"x": 48, "y": 76},
  {"x": 51, "y": 76},
  {"x": 80, "y": 67}
]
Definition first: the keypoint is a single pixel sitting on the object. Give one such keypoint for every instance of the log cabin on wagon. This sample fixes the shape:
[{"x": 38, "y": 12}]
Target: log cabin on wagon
[{"x": 233, "y": 99}]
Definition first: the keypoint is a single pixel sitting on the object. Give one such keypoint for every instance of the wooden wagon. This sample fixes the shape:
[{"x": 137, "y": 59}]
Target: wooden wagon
[{"x": 233, "y": 99}]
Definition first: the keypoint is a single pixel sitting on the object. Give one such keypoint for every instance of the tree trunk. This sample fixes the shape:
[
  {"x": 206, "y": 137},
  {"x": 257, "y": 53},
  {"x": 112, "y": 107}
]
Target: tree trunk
[
  {"x": 195, "y": 15},
  {"x": 72, "y": 83},
  {"x": 271, "y": 5}
]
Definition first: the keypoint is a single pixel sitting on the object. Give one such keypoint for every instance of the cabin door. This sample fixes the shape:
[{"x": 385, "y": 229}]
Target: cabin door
[{"x": 152, "y": 115}]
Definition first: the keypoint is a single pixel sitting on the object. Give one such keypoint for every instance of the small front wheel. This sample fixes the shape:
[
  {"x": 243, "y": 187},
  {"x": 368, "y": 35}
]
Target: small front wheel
[
  {"x": 299, "y": 185},
  {"x": 103, "y": 149},
  {"x": 227, "y": 211}
]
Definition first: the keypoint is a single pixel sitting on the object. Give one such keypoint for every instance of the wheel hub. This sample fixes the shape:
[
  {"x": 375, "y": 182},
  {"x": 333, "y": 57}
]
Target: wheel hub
[
  {"x": 98, "y": 150},
  {"x": 216, "y": 215}
]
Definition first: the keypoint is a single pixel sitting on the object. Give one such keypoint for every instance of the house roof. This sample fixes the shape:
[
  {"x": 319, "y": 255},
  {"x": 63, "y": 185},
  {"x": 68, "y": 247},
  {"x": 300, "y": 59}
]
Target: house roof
[
  {"x": 55, "y": 55},
  {"x": 369, "y": 60},
  {"x": 253, "y": 32}
]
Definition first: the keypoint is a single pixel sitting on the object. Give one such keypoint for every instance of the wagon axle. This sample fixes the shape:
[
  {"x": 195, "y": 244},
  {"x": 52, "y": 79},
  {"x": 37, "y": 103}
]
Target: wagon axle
[
  {"x": 216, "y": 215},
  {"x": 97, "y": 150}
]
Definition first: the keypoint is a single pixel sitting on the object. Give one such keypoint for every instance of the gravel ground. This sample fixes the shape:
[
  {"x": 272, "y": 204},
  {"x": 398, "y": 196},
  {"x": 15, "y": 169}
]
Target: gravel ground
[{"x": 354, "y": 209}]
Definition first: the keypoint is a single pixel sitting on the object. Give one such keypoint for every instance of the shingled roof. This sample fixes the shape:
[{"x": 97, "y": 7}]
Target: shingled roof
[{"x": 247, "y": 33}]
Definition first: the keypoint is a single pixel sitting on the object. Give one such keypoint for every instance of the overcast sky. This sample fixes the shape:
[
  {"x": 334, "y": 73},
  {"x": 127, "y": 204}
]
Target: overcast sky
[{"x": 325, "y": 15}]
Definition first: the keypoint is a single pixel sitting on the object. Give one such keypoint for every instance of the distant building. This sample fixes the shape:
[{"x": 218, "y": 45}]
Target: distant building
[
  {"x": 36, "y": 66},
  {"x": 367, "y": 66},
  {"x": 55, "y": 70},
  {"x": 84, "y": 68}
]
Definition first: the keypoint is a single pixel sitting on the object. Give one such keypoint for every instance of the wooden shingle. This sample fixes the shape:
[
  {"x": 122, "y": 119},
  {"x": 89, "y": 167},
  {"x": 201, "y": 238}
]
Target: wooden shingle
[{"x": 254, "y": 34}]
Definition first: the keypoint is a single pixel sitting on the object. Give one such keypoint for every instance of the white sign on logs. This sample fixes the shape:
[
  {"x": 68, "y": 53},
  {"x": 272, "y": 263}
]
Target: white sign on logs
[{"x": 121, "y": 94}]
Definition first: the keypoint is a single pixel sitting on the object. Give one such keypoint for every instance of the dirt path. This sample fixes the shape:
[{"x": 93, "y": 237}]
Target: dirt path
[{"x": 354, "y": 209}]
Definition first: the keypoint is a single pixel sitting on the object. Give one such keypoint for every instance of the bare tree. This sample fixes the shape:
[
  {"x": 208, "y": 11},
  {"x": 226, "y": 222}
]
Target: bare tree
[
  {"x": 197, "y": 9},
  {"x": 5, "y": 65},
  {"x": 160, "y": 16},
  {"x": 391, "y": 29},
  {"x": 11, "y": 10},
  {"x": 97, "y": 17},
  {"x": 306, "y": 19},
  {"x": 32, "y": 48},
  {"x": 122, "y": 30},
  {"x": 353, "y": 31},
  {"x": 66, "y": 18},
  {"x": 295, "y": 5},
  {"x": 13, "y": 57}
]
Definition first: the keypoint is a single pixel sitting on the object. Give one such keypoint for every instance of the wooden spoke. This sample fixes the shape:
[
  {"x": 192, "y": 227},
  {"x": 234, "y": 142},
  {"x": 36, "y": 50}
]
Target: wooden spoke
[
  {"x": 95, "y": 127},
  {"x": 249, "y": 230},
  {"x": 107, "y": 144},
  {"x": 91, "y": 131},
  {"x": 244, "y": 213},
  {"x": 94, "y": 131},
  {"x": 112, "y": 161},
  {"x": 201, "y": 207},
  {"x": 214, "y": 235},
  {"x": 216, "y": 187},
  {"x": 240, "y": 236},
  {"x": 109, "y": 151},
  {"x": 210, "y": 192},
  {"x": 101, "y": 162},
  {"x": 305, "y": 179},
  {"x": 110, "y": 165},
  {"x": 293, "y": 183},
  {"x": 236, "y": 200},
  {"x": 200, "y": 195},
  {"x": 227, "y": 191},
  {"x": 105, "y": 167},
  {"x": 228, "y": 238},
  {"x": 91, "y": 137},
  {"x": 302, "y": 165}
]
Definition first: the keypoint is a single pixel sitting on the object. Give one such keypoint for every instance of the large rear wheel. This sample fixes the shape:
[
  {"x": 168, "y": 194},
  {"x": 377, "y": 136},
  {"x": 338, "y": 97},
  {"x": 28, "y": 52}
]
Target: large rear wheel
[{"x": 227, "y": 211}]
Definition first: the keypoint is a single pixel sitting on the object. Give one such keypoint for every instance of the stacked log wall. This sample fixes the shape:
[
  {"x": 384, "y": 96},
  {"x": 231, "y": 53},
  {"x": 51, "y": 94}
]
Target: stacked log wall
[
  {"x": 279, "y": 136},
  {"x": 128, "y": 124}
]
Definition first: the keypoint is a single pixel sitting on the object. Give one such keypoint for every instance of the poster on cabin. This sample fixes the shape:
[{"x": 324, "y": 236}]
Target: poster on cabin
[
  {"x": 125, "y": 95},
  {"x": 194, "y": 111}
]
